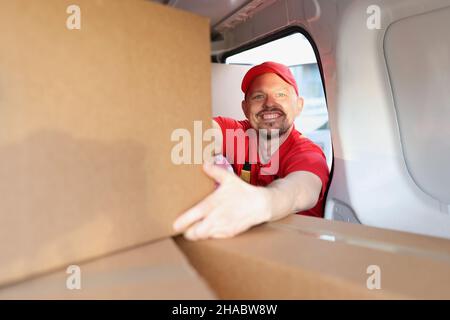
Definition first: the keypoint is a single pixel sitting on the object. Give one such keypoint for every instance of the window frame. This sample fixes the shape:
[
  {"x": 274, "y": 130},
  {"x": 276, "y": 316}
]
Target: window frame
[{"x": 276, "y": 36}]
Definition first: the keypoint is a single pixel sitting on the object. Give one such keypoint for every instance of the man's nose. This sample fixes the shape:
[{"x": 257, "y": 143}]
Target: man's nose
[{"x": 270, "y": 101}]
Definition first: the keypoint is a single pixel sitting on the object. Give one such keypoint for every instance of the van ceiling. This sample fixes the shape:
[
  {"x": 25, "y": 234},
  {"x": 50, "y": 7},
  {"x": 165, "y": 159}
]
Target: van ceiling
[{"x": 217, "y": 11}]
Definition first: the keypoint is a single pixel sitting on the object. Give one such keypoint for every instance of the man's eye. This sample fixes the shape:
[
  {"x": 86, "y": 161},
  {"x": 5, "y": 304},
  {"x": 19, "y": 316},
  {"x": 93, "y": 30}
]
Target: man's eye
[
  {"x": 258, "y": 97},
  {"x": 281, "y": 95}
]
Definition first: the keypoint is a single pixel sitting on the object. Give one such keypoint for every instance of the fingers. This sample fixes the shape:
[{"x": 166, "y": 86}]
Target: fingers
[
  {"x": 201, "y": 229},
  {"x": 202, "y": 209},
  {"x": 196, "y": 232},
  {"x": 204, "y": 229},
  {"x": 192, "y": 215},
  {"x": 199, "y": 222},
  {"x": 217, "y": 173}
]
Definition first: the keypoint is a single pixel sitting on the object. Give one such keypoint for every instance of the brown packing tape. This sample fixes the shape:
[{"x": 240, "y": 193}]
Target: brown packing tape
[
  {"x": 273, "y": 262},
  {"x": 86, "y": 118},
  {"x": 154, "y": 271}
]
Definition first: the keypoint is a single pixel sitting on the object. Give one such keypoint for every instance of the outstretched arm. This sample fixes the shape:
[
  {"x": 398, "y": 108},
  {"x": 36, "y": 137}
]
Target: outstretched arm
[{"x": 237, "y": 206}]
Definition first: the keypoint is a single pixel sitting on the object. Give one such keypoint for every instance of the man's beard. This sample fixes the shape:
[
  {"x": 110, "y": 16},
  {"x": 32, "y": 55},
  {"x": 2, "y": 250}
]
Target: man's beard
[
  {"x": 270, "y": 132},
  {"x": 276, "y": 133}
]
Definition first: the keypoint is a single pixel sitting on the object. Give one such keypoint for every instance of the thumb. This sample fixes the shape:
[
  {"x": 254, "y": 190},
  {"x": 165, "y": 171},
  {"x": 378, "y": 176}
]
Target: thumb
[{"x": 217, "y": 173}]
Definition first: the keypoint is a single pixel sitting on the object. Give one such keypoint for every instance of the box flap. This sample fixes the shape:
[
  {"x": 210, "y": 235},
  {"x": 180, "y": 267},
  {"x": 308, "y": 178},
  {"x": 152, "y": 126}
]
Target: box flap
[{"x": 154, "y": 271}]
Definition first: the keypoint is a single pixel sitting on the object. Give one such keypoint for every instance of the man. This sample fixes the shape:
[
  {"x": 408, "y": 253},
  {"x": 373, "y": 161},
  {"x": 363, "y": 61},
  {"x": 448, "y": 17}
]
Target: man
[{"x": 270, "y": 105}]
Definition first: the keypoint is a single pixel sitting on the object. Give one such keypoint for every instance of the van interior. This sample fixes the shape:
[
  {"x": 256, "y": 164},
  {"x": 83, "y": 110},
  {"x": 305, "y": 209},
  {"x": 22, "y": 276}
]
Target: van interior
[{"x": 374, "y": 75}]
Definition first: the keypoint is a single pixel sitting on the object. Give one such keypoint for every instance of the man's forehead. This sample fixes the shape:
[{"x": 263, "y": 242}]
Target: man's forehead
[{"x": 268, "y": 81}]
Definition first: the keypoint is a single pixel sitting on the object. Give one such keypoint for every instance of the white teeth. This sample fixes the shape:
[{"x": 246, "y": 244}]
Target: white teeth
[{"x": 268, "y": 116}]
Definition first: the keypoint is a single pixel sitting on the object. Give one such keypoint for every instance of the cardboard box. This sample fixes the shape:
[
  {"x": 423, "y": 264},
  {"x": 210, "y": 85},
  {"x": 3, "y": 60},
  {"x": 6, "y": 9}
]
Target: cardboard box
[
  {"x": 85, "y": 127},
  {"x": 153, "y": 271},
  {"x": 309, "y": 258}
]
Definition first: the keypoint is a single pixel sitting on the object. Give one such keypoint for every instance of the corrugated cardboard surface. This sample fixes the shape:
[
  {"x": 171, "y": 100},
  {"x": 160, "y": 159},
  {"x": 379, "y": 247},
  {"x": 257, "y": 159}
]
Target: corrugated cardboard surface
[
  {"x": 298, "y": 258},
  {"x": 86, "y": 118},
  {"x": 154, "y": 271},
  {"x": 369, "y": 237}
]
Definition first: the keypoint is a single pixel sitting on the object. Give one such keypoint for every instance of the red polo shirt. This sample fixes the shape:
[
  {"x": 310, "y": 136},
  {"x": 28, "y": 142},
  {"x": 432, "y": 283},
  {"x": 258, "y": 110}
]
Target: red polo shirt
[{"x": 297, "y": 153}]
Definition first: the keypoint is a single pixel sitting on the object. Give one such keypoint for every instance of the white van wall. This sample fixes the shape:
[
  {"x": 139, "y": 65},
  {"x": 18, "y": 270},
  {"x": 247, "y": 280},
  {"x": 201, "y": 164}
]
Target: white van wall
[
  {"x": 371, "y": 181},
  {"x": 226, "y": 90}
]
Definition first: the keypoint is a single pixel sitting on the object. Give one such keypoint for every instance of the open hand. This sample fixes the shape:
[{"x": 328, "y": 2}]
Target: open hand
[{"x": 232, "y": 208}]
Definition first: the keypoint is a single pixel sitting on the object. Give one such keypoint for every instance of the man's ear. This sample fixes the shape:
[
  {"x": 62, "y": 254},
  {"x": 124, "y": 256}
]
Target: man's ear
[
  {"x": 299, "y": 107},
  {"x": 245, "y": 108}
]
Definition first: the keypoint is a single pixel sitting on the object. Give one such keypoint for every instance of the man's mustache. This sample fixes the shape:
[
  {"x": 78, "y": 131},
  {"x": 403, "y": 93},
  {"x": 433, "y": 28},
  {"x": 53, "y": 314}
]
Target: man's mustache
[{"x": 271, "y": 109}]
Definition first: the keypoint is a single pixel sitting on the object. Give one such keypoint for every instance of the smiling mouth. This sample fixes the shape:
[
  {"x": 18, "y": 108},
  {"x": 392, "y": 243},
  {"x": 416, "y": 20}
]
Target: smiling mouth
[{"x": 270, "y": 116}]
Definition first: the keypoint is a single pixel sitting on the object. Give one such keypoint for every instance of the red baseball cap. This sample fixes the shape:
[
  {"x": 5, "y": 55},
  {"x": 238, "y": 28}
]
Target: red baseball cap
[{"x": 268, "y": 67}]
